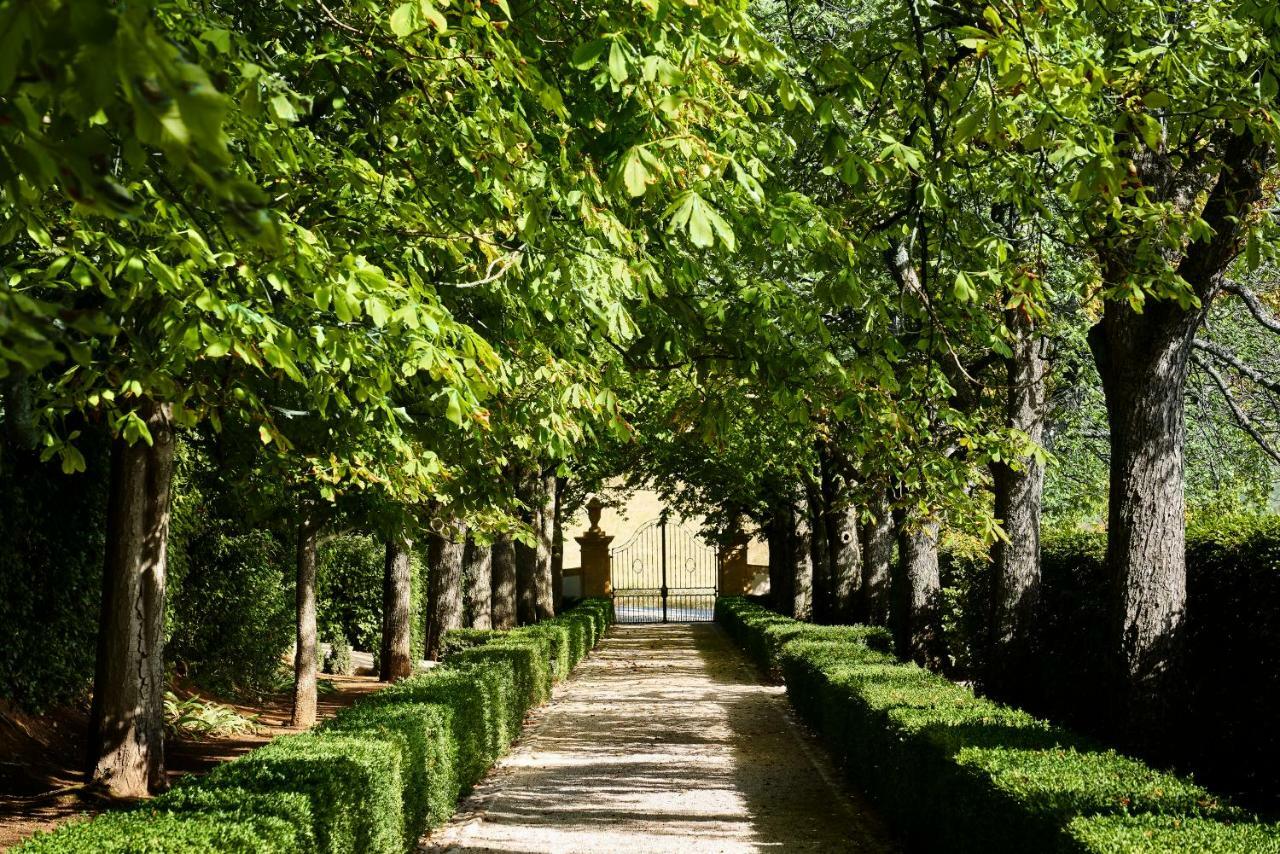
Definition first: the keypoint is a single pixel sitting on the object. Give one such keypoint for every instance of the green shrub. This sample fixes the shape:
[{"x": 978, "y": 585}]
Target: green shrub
[
  {"x": 353, "y": 783},
  {"x": 1220, "y": 713},
  {"x": 232, "y": 606},
  {"x": 169, "y": 833},
  {"x": 53, "y": 529},
  {"x": 763, "y": 632},
  {"x": 958, "y": 772},
  {"x": 373, "y": 778},
  {"x": 337, "y": 660},
  {"x": 459, "y": 639},
  {"x": 349, "y": 572}
]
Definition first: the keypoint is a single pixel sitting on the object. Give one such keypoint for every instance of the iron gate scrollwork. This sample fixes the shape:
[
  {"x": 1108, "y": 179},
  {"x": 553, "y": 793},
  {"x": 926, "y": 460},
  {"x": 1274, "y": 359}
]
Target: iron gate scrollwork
[{"x": 664, "y": 574}]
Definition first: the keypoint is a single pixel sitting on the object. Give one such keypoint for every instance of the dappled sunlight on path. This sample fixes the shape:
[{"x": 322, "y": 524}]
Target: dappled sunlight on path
[{"x": 663, "y": 740}]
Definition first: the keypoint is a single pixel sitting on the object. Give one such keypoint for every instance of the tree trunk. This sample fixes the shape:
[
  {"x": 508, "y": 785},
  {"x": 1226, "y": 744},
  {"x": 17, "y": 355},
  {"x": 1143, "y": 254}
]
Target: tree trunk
[
  {"x": 840, "y": 521},
  {"x": 781, "y": 577},
  {"x": 877, "y": 563},
  {"x": 557, "y": 546},
  {"x": 504, "y": 583},
  {"x": 305, "y": 654},
  {"x": 478, "y": 579},
  {"x": 126, "y": 729},
  {"x": 444, "y": 601},
  {"x": 1142, "y": 360},
  {"x": 1015, "y": 588},
  {"x": 1143, "y": 369},
  {"x": 545, "y": 600},
  {"x": 801, "y": 557},
  {"x": 917, "y": 586},
  {"x": 819, "y": 555},
  {"x": 526, "y": 555},
  {"x": 396, "y": 658}
]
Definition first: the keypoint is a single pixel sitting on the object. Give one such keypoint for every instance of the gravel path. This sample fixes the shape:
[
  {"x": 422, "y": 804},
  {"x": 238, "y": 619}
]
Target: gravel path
[{"x": 664, "y": 740}]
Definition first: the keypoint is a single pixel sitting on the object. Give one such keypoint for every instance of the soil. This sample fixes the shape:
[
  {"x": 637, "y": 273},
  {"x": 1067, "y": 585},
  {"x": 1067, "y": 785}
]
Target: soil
[
  {"x": 41, "y": 756},
  {"x": 664, "y": 740}
]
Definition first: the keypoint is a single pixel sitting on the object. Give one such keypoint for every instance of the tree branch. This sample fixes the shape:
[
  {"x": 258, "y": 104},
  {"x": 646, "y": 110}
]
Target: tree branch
[
  {"x": 1251, "y": 301},
  {"x": 1242, "y": 418}
]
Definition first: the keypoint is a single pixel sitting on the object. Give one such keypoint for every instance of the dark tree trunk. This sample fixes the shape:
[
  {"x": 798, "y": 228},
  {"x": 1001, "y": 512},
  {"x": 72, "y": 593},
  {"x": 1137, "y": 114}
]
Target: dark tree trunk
[
  {"x": 781, "y": 576},
  {"x": 1142, "y": 360},
  {"x": 917, "y": 585},
  {"x": 1015, "y": 588},
  {"x": 305, "y": 653},
  {"x": 396, "y": 658},
  {"x": 877, "y": 563},
  {"x": 504, "y": 583},
  {"x": 17, "y": 395},
  {"x": 819, "y": 555},
  {"x": 527, "y": 555},
  {"x": 557, "y": 546},
  {"x": 801, "y": 557},
  {"x": 1143, "y": 369},
  {"x": 844, "y": 552},
  {"x": 444, "y": 600},
  {"x": 477, "y": 575},
  {"x": 126, "y": 728},
  {"x": 545, "y": 599}
]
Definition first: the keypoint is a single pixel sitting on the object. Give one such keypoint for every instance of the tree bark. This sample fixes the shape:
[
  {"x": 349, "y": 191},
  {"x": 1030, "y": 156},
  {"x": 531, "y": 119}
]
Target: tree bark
[
  {"x": 504, "y": 583},
  {"x": 1015, "y": 589},
  {"x": 305, "y": 653},
  {"x": 478, "y": 579},
  {"x": 396, "y": 658},
  {"x": 126, "y": 729},
  {"x": 444, "y": 601},
  {"x": 1143, "y": 368},
  {"x": 819, "y": 555},
  {"x": 877, "y": 563},
  {"x": 801, "y": 557},
  {"x": 527, "y": 555},
  {"x": 1142, "y": 360},
  {"x": 781, "y": 577},
  {"x": 840, "y": 521},
  {"x": 557, "y": 546},
  {"x": 545, "y": 597},
  {"x": 917, "y": 585}
]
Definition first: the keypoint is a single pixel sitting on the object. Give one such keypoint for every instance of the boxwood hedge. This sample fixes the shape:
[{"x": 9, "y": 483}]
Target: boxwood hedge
[
  {"x": 956, "y": 772},
  {"x": 373, "y": 778}
]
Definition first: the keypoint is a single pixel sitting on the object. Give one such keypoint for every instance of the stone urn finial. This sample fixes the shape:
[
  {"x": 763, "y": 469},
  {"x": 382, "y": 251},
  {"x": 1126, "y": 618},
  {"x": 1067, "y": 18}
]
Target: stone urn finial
[{"x": 594, "y": 506}]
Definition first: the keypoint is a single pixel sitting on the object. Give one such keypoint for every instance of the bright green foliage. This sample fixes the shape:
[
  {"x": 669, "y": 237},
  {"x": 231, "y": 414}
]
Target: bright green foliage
[
  {"x": 163, "y": 832},
  {"x": 372, "y": 779},
  {"x": 763, "y": 632},
  {"x": 956, "y": 771}
]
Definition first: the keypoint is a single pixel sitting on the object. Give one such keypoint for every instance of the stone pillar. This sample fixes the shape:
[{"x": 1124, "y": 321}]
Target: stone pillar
[
  {"x": 597, "y": 565},
  {"x": 735, "y": 574}
]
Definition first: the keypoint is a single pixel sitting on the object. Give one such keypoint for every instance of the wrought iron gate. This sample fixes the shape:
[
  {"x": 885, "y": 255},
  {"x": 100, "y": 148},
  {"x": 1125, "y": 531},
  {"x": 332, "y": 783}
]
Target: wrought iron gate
[{"x": 664, "y": 574}]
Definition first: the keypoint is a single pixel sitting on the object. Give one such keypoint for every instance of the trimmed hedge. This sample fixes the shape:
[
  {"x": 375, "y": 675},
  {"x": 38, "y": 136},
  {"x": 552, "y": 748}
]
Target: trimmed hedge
[
  {"x": 957, "y": 772},
  {"x": 1221, "y": 713},
  {"x": 763, "y": 633},
  {"x": 373, "y": 778}
]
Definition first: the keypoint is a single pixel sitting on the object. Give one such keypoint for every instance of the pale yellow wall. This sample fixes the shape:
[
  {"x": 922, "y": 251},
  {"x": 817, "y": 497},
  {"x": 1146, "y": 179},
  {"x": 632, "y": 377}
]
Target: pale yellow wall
[{"x": 641, "y": 506}]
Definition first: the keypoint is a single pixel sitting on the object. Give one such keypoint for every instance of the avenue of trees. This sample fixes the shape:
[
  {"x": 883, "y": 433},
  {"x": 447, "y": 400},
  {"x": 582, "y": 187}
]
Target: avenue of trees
[{"x": 864, "y": 275}]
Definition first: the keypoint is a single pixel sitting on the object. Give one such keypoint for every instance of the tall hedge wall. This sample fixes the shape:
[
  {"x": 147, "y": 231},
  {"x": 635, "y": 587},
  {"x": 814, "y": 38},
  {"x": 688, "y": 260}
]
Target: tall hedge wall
[
  {"x": 959, "y": 773},
  {"x": 1223, "y": 711},
  {"x": 373, "y": 778}
]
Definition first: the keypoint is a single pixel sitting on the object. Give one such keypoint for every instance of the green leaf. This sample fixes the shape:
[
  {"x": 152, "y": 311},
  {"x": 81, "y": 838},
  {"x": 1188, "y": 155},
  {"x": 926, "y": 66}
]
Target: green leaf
[
  {"x": 635, "y": 175},
  {"x": 402, "y": 19},
  {"x": 453, "y": 407},
  {"x": 617, "y": 62},
  {"x": 588, "y": 54},
  {"x": 282, "y": 108}
]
